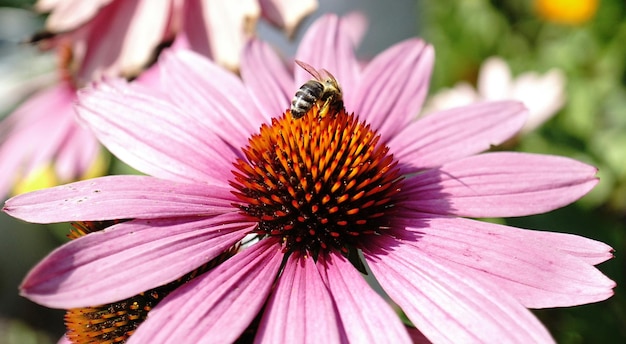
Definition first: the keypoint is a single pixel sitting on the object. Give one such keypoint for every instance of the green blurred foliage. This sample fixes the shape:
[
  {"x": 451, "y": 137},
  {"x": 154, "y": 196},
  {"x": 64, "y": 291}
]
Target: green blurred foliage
[
  {"x": 17, "y": 332},
  {"x": 591, "y": 127},
  {"x": 17, "y": 3}
]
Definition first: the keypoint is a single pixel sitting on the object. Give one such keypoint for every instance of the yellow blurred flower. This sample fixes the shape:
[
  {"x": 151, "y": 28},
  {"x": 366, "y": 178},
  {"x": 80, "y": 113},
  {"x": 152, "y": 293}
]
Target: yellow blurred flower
[
  {"x": 571, "y": 12},
  {"x": 45, "y": 176},
  {"x": 41, "y": 178}
]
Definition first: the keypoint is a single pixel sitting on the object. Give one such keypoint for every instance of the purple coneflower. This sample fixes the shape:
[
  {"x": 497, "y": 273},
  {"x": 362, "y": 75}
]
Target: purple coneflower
[{"x": 366, "y": 185}]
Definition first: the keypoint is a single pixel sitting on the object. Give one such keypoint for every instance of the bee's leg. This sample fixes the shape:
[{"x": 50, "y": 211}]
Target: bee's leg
[{"x": 323, "y": 110}]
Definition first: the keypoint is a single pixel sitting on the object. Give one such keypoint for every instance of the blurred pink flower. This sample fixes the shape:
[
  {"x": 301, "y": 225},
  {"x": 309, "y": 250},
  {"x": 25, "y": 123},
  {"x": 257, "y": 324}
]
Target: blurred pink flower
[
  {"x": 544, "y": 95},
  {"x": 120, "y": 37},
  {"x": 315, "y": 191},
  {"x": 42, "y": 133}
]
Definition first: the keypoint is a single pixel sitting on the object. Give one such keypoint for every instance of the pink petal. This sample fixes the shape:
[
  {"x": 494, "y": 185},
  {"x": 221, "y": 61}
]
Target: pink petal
[
  {"x": 213, "y": 97},
  {"x": 148, "y": 28},
  {"x": 394, "y": 86},
  {"x": 69, "y": 14},
  {"x": 591, "y": 251},
  {"x": 264, "y": 73},
  {"x": 77, "y": 154},
  {"x": 57, "y": 97},
  {"x": 287, "y": 14},
  {"x": 300, "y": 309},
  {"x": 194, "y": 31},
  {"x": 152, "y": 77},
  {"x": 122, "y": 38},
  {"x": 129, "y": 258},
  {"x": 45, "y": 137},
  {"x": 217, "y": 306},
  {"x": 363, "y": 312},
  {"x": 120, "y": 197},
  {"x": 64, "y": 340},
  {"x": 500, "y": 185},
  {"x": 445, "y": 306},
  {"x": 512, "y": 259},
  {"x": 355, "y": 25},
  {"x": 219, "y": 29},
  {"x": 146, "y": 130},
  {"x": 327, "y": 44},
  {"x": 457, "y": 133}
]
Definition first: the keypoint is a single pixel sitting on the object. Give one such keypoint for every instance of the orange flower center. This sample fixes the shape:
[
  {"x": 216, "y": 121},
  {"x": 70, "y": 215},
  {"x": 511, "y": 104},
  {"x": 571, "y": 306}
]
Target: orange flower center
[{"x": 317, "y": 183}]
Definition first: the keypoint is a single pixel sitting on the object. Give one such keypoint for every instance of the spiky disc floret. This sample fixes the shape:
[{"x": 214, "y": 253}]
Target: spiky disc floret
[
  {"x": 318, "y": 183},
  {"x": 116, "y": 322}
]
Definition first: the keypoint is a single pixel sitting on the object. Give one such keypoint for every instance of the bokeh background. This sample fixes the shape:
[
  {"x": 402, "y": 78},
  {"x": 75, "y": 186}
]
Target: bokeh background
[{"x": 589, "y": 47}]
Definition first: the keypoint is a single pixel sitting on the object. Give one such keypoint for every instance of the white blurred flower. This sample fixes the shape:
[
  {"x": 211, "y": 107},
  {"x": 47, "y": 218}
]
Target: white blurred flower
[{"x": 543, "y": 95}]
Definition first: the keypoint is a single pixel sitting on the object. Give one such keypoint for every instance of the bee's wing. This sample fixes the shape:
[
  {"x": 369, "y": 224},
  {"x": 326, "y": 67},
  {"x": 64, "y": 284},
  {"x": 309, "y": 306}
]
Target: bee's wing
[
  {"x": 307, "y": 67},
  {"x": 326, "y": 74}
]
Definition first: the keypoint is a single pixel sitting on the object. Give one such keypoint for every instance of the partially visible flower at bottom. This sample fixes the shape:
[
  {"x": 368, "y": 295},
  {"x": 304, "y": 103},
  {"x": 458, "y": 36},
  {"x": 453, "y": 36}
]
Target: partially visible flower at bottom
[
  {"x": 116, "y": 322},
  {"x": 319, "y": 193}
]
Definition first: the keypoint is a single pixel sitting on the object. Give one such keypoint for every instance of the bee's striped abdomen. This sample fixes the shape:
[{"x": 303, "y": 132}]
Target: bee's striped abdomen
[{"x": 305, "y": 98}]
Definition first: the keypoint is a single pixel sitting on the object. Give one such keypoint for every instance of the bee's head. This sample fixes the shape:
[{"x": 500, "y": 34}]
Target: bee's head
[{"x": 332, "y": 86}]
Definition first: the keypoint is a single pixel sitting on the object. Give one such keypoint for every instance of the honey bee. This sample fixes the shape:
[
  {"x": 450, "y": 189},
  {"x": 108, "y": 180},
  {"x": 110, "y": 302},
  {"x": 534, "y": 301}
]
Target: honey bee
[{"x": 323, "y": 91}]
